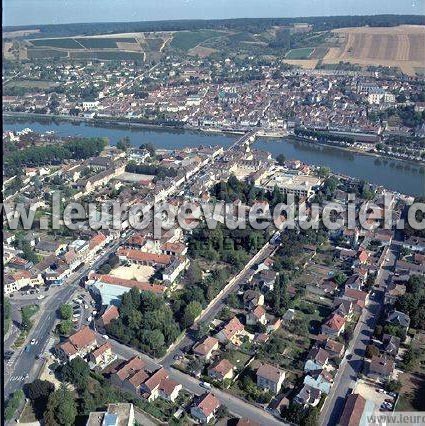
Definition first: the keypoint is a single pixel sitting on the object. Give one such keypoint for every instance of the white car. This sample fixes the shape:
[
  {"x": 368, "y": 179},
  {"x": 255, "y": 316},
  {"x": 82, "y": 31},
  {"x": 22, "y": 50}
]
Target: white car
[
  {"x": 205, "y": 385},
  {"x": 33, "y": 342},
  {"x": 41, "y": 297},
  {"x": 105, "y": 336}
]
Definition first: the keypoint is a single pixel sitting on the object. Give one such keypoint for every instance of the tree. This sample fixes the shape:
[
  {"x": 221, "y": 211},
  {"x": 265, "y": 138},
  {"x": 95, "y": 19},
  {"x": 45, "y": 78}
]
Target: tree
[
  {"x": 38, "y": 392},
  {"x": 105, "y": 268},
  {"x": 371, "y": 351},
  {"x": 61, "y": 408},
  {"x": 65, "y": 311},
  {"x": 340, "y": 278},
  {"x": 194, "y": 273},
  {"x": 392, "y": 385},
  {"x": 76, "y": 371},
  {"x": 324, "y": 172},
  {"x": 191, "y": 312},
  {"x": 65, "y": 327},
  {"x": 281, "y": 159},
  {"x": 124, "y": 143}
]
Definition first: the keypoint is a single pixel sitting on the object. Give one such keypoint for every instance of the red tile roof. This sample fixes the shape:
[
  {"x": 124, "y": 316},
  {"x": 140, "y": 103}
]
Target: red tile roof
[
  {"x": 353, "y": 410},
  {"x": 232, "y": 327},
  {"x": 110, "y": 314},
  {"x": 83, "y": 338},
  {"x": 140, "y": 256},
  {"x": 270, "y": 372},
  {"x": 335, "y": 322},
  {"x": 209, "y": 404},
  {"x": 130, "y": 367},
  {"x": 168, "y": 386},
  {"x": 96, "y": 241},
  {"x": 223, "y": 367},
  {"x": 101, "y": 349},
  {"x": 153, "y": 382},
  {"x": 206, "y": 346}
]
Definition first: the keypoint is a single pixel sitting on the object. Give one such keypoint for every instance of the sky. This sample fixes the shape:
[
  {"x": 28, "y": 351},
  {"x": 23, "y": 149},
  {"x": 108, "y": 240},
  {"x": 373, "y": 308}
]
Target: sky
[{"x": 32, "y": 12}]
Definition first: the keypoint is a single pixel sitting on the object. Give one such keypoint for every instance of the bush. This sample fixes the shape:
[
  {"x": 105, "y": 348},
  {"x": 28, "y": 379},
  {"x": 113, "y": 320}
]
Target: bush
[{"x": 65, "y": 311}]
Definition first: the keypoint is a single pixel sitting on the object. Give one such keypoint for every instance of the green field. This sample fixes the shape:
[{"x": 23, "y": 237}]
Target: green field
[
  {"x": 185, "y": 40},
  {"x": 103, "y": 42},
  {"x": 154, "y": 44},
  {"x": 45, "y": 53},
  {"x": 108, "y": 56},
  {"x": 63, "y": 43},
  {"x": 303, "y": 53}
]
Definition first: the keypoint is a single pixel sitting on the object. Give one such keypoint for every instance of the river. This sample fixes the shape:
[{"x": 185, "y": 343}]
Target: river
[{"x": 393, "y": 174}]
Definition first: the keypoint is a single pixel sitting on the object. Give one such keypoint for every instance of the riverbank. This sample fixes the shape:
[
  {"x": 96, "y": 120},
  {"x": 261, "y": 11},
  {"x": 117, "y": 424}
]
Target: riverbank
[
  {"x": 114, "y": 123},
  {"x": 377, "y": 155},
  {"x": 394, "y": 174},
  {"x": 120, "y": 124}
]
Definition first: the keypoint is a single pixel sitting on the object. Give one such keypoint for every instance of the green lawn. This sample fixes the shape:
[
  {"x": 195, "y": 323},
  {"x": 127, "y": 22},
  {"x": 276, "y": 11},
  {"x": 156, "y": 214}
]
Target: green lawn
[{"x": 303, "y": 53}]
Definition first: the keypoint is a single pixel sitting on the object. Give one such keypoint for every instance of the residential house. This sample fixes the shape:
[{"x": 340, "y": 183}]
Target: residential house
[
  {"x": 399, "y": 318},
  {"x": 127, "y": 370},
  {"x": 205, "y": 409},
  {"x": 357, "y": 296},
  {"x": 206, "y": 348},
  {"x": 252, "y": 299},
  {"x": 381, "y": 367},
  {"x": 79, "y": 344},
  {"x": 333, "y": 348},
  {"x": 111, "y": 313},
  {"x": 169, "y": 389},
  {"x": 308, "y": 396},
  {"x": 354, "y": 282},
  {"x": 390, "y": 345},
  {"x": 317, "y": 359},
  {"x": 232, "y": 332},
  {"x": 319, "y": 379},
  {"x": 221, "y": 370},
  {"x": 333, "y": 326},
  {"x": 257, "y": 316},
  {"x": 102, "y": 356},
  {"x": 355, "y": 411},
  {"x": 270, "y": 377},
  {"x": 343, "y": 307},
  {"x": 150, "y": 388}
]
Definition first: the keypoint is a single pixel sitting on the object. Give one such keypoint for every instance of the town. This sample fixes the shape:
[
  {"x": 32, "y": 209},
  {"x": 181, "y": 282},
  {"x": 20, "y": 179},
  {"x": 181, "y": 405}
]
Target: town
[
  {"x": 377, "y": 112},
  {"x": 140, "y": 289},
  {"x": 205, "y": 325}
]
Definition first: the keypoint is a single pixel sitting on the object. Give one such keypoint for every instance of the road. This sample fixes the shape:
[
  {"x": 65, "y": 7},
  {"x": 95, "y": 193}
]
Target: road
[
  {"x": 23, "y": 367},
  {"x": 349, "y": 369}
]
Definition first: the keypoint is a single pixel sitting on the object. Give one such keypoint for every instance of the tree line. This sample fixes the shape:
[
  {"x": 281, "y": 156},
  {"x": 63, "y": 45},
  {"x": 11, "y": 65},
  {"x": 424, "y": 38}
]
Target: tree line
[{"x": 36, "y": 156}]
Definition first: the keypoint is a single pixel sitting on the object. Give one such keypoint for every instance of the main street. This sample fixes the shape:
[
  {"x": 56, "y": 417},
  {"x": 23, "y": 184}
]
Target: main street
[{"x": 348, "y": 371}]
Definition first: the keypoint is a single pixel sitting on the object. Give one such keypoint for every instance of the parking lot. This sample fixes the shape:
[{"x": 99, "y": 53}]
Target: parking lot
[
  {"x": 371, "y": 392},
  {"x": 83, "y": 309}
]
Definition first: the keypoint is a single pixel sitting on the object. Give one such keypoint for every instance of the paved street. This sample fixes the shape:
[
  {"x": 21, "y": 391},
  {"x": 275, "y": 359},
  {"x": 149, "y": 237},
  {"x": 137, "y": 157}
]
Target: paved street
[
  {"x": 24, "y": 364},
  {"x": 347, "y": 373}
]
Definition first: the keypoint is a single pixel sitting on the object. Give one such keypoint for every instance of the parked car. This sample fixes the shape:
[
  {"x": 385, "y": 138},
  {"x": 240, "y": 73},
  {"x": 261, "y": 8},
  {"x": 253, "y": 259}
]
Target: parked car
[{"x": 205, "y": 385}]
